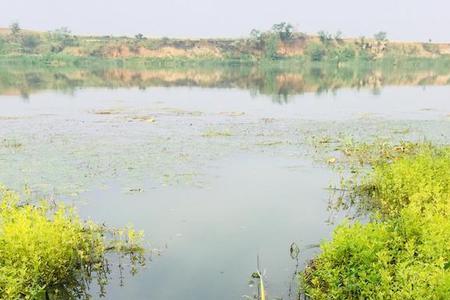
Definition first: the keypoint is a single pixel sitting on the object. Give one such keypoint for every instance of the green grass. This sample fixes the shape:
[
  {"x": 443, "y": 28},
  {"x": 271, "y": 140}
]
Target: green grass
[
  {"x": 404, "y": 252},
  {"x": 49, "y": 253}
]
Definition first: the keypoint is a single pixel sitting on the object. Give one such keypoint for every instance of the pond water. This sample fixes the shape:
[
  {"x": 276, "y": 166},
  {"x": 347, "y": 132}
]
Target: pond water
[{"x": 215, "y": 174}]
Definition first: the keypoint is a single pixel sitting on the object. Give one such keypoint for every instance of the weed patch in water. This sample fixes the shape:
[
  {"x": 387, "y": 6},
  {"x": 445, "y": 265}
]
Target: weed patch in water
[
  {"x": 403, "y": 253},
  {"x": 49, "y": 253},
  {"x": 214, "y": 133}
]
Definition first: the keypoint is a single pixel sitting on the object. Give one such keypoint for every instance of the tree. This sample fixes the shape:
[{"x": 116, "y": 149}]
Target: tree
[
  {"x": 338, "y": 37},
  {"x": 30, "y": 42},
  {"x": 63, "y": 38},
  {"x": 15, "y": 29},
  {"x": 325, "y": 37},
  {"x": 256, "y": 34},
  {"x": 139, "y": 36},
  {"x": 285, "y": 31},
  {"x": 316, "y": 51},
  {"x": 380, "y": 36}
]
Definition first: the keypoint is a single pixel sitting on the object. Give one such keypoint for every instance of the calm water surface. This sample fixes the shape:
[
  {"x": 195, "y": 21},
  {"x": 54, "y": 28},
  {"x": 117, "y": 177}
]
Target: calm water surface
[{"x": 224, "y": 175}]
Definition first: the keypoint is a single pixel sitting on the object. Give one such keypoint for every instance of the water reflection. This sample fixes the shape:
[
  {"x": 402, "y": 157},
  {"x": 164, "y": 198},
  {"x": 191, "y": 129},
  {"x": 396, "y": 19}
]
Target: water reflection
[{"x": 280, "y": 83}]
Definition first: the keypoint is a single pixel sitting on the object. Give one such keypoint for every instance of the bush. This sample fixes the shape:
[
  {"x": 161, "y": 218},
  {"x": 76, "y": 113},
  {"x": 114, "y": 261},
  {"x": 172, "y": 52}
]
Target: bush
[
  {"x": 49, "y": 252},
  {"x": 271, "y": 47},
  {"x": 380, "y": 36},
  {"x": 30, "y": 42},
  {"x": 403, "y": 258},
  {"x": 420, "y": 180},
  {"x": 325, "y": 37},
  {"x": 404, "y": 252},
  {"x": 346, "y": 53},
  {"x": 316, "y": 52}
]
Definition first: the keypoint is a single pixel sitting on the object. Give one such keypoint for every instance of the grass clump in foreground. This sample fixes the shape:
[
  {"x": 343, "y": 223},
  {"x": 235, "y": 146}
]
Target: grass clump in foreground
[
  {"x": 404, "y": 252},
  {"x": 49, "y": 253}
]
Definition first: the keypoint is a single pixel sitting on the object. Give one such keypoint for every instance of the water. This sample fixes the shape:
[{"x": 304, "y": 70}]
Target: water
[
  {"x": 215, "y": 173},
  {"x": 210, "y": 237}
]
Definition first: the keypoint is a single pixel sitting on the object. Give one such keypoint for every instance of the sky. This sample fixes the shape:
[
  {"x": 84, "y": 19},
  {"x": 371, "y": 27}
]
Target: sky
[{"x": 419, "y": 20}]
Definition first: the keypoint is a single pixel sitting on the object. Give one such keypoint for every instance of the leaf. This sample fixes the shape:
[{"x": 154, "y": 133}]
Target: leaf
[
  {"x": 294, "y": 251},
  {"x": 261, "y": 286}
]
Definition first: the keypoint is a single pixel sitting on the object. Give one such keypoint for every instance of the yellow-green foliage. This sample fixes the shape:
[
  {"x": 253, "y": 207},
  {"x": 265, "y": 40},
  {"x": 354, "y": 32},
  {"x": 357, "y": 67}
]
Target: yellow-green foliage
[
  {"x": 403, "y": 258},
  {"x": 420, "y": 180},
  {"x": 404, "y": 253},
  {"x": 47, "y": 252}
]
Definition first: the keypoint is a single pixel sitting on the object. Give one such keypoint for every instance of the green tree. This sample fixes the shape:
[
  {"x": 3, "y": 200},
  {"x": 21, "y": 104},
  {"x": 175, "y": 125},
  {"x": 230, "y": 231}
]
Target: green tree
[
  {"x": 62, "y": 38},
  {"x": 285, "y": 31},
  {"x": 30, "y": 42},
  {"x": 316, "y": 52},
  {"x": 325, "y": 37},
  {"x": 255, "y": 34},
  {"x": 257, "y": 38},
  {"x": 338, "y": 37},
  {"x": 380, "y": 36},
  {"x": 139, "y": 36},
  {"x": 15, "y": 29}
]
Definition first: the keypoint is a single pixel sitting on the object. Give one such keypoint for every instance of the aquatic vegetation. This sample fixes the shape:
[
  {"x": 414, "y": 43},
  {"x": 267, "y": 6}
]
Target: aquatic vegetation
[
  {"x": 50, "y": 253},
  {"x": 403, "y": 258},
  {"x": 419, "y": 180},
  {"x": 215, "y": 133},
  {"x": 377, "y": 151},
  {"x": 350, "y": 152},
  {"x": 403, "y": 253}
]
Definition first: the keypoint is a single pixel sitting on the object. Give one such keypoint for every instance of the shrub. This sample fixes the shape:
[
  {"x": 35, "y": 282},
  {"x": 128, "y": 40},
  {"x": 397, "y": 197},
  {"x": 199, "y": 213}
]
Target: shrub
[
  {"x": 316, "y": 52},
  {"x": 49, "y": 252},
  {"x": 380, "y": 36},
  {"x": 419, "y": 179},
  {"x": 346, "y": 53},
  {"x": 325, "y": 37},
  {"x": 432, "y": 48},
  {"x": 30, "y": 42},
  {"x": 404, "y": 252},
  {"x": 403, "y": 258},
  {"x": 271, "y": 47},
  {"x": 15, "y": 28},
  {"x": 62, "y": 38}
]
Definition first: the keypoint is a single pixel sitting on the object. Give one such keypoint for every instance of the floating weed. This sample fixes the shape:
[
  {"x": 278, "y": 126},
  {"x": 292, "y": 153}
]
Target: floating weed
[
  {"x": 232, "y": 113},
  {"x": 379, "y": 150},
  {"x": 401, "y": 131},
  {"x": 146, "y": 119},
  {"x": 112, "y": 111},
  {"x": 210, "y": 133},
  {"x": 12, "y": 144},
  {"x": 270, "y": 143}
]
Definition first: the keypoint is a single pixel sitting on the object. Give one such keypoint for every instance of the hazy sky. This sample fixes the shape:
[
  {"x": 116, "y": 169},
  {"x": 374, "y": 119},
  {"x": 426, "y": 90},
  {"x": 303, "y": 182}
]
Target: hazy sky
[{"x": 402, "y": 19}]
